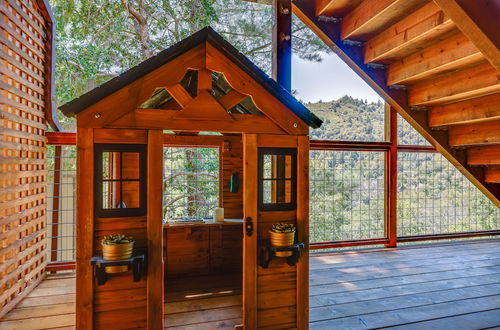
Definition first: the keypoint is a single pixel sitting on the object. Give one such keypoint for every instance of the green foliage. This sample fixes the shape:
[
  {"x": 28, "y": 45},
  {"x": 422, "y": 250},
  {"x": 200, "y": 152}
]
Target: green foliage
[
  {"x": 191, "y": 182},
  {"x": 114, "y": 239},
  {"x": 282, "y": 228}
]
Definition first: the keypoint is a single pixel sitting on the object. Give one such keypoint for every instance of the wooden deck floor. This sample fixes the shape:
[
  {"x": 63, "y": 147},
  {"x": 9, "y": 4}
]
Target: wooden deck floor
[{"x": 431, "y": 287}]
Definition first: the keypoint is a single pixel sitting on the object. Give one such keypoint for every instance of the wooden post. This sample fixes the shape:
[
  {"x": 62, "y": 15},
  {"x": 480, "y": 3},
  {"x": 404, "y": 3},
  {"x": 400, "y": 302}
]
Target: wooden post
[
  {"x": 303, "y": 231},
  {"x": 250, "y": 242},
  {"x": 155, "y": 229},
  {"x": 391, "y": 177},
  {"x": 85, "y": 228},
  {"x": 55, "y": 202},
  {"x": 282, "y": 43}
]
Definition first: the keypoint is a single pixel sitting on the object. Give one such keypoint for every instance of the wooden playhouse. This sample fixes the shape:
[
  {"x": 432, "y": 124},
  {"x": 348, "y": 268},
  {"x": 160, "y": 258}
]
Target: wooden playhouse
[{"x": 200, "y": 84}]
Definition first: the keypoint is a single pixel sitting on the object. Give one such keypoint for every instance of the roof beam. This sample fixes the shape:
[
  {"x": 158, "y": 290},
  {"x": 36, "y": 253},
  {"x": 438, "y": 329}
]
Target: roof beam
[
  {"x": 489, "y": 155},
  {"x": 336, "y": 8},
  {"x": 417, "y": 30},
  {"x": 478, "y": 20},
  {"x": 450, "y": 54},
  {"x": 492, "y": 174},
  {"x": 468, "y": 83},
  {"x": 372, "y": 16},
  {"x": 475, "y": 134},
  {"x": 479, "y": 109}
]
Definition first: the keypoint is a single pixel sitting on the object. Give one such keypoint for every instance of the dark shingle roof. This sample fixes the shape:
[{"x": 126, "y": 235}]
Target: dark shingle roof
[{"x": 205, "y": 35}]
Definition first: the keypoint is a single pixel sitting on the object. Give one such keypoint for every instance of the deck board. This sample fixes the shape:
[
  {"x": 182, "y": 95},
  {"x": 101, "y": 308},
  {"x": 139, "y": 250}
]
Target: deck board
[{"x": 439, "y": 286}]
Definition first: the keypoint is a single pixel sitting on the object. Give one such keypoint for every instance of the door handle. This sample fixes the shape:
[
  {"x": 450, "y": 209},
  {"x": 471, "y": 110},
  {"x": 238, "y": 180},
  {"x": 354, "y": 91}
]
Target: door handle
[{"x": 249, "y": 226}]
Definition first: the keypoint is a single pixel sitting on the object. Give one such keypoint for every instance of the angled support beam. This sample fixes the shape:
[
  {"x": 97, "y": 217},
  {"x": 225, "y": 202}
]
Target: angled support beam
[
  {"x": 231, "y": 99},
  {"x": 398, "y": 99},
  {"x": 282, "y": 43},
  {"x": 478, "y": 20},
  {"x": 179, "y": 94}
]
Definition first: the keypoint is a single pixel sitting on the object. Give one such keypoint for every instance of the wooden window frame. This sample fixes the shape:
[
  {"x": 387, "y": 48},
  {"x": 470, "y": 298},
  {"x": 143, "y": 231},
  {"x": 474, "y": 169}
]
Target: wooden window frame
[
  {"x": 260, "y": 179},
  {"x": 99, "y": 149}
]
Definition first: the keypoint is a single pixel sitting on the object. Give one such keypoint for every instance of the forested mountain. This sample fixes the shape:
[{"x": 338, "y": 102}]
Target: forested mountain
[
  {"x": 347, "y": 187},
  {"x": 349, "y": 119}
]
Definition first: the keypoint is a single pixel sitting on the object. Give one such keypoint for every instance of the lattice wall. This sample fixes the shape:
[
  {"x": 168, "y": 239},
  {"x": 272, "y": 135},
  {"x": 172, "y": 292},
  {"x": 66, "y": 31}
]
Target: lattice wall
[{"x": 23, "y": 84}]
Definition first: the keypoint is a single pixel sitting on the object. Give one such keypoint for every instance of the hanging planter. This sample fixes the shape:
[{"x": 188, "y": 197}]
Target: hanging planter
[
  {"x": 282, "y": 235},
  {"x": 117, "y": 247}
]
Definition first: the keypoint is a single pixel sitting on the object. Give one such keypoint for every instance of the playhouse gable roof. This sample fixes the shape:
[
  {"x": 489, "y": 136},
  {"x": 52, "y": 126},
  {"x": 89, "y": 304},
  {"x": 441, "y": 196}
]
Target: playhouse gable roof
[{"x": 205, "y": 36}]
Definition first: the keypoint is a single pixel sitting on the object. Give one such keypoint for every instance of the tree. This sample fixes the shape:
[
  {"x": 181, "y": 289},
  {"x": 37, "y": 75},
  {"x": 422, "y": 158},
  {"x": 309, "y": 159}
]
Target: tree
[{"x": 98, "y": 39}]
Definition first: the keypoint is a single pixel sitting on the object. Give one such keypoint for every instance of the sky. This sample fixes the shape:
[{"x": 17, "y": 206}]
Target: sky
[{"x": 328, "y": 80}]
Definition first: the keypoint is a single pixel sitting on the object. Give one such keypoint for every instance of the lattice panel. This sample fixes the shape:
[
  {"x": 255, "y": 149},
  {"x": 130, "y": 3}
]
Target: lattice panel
[{"x": 22, "y": 145}]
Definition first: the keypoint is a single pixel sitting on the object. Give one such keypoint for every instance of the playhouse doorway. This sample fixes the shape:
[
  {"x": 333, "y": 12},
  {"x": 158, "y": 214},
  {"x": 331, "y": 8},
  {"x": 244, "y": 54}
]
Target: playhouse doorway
[{"x": 202, "y": 258}]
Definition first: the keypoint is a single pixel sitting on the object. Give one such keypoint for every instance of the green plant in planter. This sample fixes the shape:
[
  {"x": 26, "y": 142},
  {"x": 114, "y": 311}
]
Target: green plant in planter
[
  {"x": 283, "y": 228},
  {"x": 116, "y": 239},
  {"x": 117, "y": 247},
  {"x": 282, "y": 235}
]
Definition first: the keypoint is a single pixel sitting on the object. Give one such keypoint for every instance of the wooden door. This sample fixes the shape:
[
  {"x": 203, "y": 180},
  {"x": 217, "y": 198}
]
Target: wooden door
[{"x": 276, "y": 295}]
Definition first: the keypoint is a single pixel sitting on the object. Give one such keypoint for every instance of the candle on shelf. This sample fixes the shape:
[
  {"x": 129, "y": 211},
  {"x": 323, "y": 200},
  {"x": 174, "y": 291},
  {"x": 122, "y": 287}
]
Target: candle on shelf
[{"x": 219, "y": 214}]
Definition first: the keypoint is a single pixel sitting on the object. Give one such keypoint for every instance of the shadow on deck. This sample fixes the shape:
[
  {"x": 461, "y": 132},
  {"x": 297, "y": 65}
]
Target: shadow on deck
[{"x": 455, "y": 286}]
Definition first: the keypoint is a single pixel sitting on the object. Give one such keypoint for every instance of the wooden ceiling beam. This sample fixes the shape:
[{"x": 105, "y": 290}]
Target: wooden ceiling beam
[
  {"x": 335, "y": 8},
  {"x": 492, "y": 174},
  {"x": 372, "y": 16},
  {"x": 478, "y": 20},
  {"x": 489, "y": 155},
  {"x": 450, "y": 54},
  {"x": 479, "y": 109},
  {"x": 164, "y": 119},
  {"x": 329, "y": 33},
  {"x": 416, "y": 31},
  {"x": 475, "y": 134},
  {"x": 475, "y": 81}
]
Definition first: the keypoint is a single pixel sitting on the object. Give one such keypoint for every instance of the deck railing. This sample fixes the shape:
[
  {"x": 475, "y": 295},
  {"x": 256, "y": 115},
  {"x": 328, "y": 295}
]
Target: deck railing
[{"x": 362, "y": 193}]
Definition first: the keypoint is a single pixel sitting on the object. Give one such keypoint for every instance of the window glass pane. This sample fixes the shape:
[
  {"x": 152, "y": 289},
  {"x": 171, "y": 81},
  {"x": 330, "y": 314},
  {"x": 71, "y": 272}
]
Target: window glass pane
[
  {"x": 110, "y": 194},
  {"x": 277, "y": 167},
  {"x": 130, "y": 190},
  {"x": 130, "y": 165},
  {"x": 267, "y": 192},
  {"x": 267, "y": 173},
  {"x": 111, "y": 165}
]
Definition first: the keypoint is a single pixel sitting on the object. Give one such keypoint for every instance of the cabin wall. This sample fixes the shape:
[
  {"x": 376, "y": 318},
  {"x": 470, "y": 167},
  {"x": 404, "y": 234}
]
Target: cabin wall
[
  {"x": 232, "y": 162},
  {"x": 120, "y": 302},
  {"x": 25, "y": 93}
]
